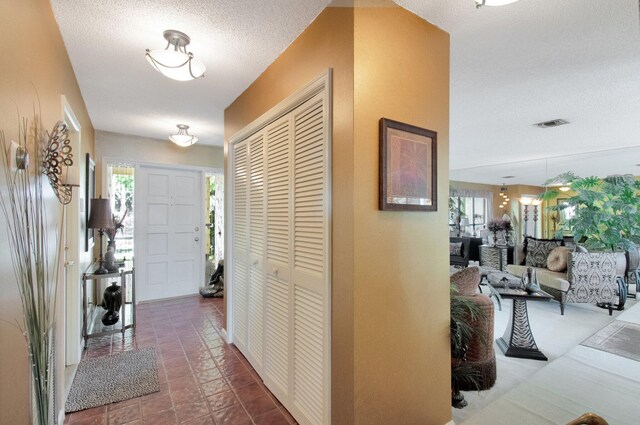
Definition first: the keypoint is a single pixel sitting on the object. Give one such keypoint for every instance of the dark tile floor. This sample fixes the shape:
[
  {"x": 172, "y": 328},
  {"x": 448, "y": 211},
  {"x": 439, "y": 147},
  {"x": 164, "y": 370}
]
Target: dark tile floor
[{"x": 203, "y": 381}]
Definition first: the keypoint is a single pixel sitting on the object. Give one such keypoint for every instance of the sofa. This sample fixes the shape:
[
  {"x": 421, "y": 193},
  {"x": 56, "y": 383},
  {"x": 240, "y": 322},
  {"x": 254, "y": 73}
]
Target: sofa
[
  {"x": 469, "y": 250},
  {"x": 588, "y": 277}
]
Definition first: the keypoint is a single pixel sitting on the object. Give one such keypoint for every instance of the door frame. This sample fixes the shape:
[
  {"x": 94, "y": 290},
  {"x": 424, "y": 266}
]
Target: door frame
[
  {"x": 109, "y": 160},
  {"x": 69, "y": 306}
]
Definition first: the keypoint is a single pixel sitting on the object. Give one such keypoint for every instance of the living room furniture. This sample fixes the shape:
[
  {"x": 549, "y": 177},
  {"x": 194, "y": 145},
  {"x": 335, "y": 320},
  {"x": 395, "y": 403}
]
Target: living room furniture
[
  {"x": 470, "y": 251},
  {"x": 493, "y": 256},
  {"x": 518, "y": 340},
  {"x": 590, "y": 278},
  {"x": 480, "y": 355},
  {"x": 91, "y": 324},
  {"x": 632, "y": 273}
]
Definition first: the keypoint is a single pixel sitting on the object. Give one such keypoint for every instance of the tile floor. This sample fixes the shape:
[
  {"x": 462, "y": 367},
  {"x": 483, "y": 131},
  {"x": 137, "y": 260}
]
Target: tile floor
[{"x": 203, "y": 381}]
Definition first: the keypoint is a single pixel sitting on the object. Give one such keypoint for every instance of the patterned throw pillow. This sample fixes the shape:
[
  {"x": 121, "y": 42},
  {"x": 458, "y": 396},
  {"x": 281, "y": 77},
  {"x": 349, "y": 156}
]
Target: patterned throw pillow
[
  {"x": 455, "y": 248},
  {"x": 537, "y": 251}
]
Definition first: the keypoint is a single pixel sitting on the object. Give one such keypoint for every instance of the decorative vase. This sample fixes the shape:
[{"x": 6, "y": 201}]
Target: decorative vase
[
  {"x": 112, "y": 301},
  {"x": 110, "y": 257},
  {"x": 530, "y": 281}
]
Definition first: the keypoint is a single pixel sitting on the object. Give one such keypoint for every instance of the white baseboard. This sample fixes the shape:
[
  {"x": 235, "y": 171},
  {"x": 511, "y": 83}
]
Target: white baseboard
[{"x": 223, "y": 333}]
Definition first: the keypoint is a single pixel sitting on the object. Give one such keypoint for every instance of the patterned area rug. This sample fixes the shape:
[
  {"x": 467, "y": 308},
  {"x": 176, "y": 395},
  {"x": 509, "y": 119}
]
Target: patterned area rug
[
  {"x": 619, "y": 338},
  {"x": 109, "y": 379}
]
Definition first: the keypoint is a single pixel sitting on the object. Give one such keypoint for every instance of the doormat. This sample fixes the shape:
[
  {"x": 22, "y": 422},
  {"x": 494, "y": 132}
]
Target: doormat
[
  {"x": 619, "y": 338},
  {"x": 109, "y": 379}
]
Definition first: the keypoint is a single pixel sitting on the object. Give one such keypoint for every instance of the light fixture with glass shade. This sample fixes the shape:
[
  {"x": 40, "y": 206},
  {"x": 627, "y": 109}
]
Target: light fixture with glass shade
[
  {"x": 174, "y": 61},
  {"x": 183, "y": 138},
  {"x": 494, "y": 2}
]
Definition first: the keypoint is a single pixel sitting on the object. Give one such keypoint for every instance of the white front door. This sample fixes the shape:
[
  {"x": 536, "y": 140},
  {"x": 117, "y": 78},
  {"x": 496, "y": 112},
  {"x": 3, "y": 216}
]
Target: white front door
[{"x": 169, "y": 223}]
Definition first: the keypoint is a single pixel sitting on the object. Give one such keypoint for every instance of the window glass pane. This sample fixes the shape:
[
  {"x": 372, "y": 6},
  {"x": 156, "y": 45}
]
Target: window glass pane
[{"x": 121, "y": 187}]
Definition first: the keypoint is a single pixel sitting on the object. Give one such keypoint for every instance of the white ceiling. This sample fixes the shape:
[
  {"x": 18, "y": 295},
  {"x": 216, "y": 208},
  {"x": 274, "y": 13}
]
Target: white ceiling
[{"x": 511, "y": 66}]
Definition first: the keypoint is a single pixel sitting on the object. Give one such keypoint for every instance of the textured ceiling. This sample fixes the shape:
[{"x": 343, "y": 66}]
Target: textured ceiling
[{"x": 511, "y": 66}]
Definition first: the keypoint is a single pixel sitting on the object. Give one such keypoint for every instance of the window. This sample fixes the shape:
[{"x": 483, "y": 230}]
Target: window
[
  {"x": 120, "y": 182},
  {"x": 468, "y": 212}
]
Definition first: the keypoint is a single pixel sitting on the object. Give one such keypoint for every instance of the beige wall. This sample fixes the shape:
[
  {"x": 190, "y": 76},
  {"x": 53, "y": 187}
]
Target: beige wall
[
  {"x": 390, "y": 301},
  {"x": 402, "y": 358},
  {"x": 143, "y": 149},
  {"x": 326, "y": 43},
  {"x": 34, "y": 59}
]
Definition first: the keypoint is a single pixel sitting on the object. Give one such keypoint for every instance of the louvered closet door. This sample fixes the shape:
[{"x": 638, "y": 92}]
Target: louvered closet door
[
  {"x": 256, "y": 215},
  {"x": 278, "y": 310},
  {"x": 280, "y": 263},
  {"x": 310, "y": 261},
  {"x": 240, "y": 236}
]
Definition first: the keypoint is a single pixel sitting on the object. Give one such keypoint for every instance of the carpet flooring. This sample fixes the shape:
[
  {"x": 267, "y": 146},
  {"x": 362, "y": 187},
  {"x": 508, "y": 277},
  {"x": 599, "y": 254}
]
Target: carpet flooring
[
  {"x": 110, "y": 379},
  {"x": 555, "y": 335}
]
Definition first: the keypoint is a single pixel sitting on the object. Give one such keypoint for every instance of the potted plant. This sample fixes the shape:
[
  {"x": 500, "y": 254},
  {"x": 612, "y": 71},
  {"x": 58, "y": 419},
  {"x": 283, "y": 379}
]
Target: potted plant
[{"x": 607, "y": 210}]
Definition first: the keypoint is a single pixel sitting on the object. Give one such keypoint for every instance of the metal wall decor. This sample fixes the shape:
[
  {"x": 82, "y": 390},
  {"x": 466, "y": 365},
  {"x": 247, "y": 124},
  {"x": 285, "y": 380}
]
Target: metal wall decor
[{"x": 58, "y": 156}]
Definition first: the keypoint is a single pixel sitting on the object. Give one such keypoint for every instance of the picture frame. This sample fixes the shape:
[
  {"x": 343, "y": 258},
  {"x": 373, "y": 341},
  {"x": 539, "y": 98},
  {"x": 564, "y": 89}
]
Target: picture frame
[
  {"x": 408, "y": 167},
  {"x": 90, "y": 193}
]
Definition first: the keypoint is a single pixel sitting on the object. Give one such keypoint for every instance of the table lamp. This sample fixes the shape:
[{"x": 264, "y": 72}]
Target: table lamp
[{"x": 100, "y": 218}]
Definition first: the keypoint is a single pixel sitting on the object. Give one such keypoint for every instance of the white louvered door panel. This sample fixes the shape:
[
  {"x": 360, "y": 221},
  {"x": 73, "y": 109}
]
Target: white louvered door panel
[
  {"x": 280, "y": 262},
  {"x": 309, "y": 272},
  {"x": 240, "y": 245},
  {"x": 278, "y": 311},
  {"x": 256, "y": 251}
]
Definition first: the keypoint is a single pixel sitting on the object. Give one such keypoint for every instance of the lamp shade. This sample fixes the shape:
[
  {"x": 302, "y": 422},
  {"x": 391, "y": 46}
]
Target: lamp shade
[
  {"x": 525, "y": 201},
  {"x": 100, "y": 216},
  {"x": 536, "y": 202}
]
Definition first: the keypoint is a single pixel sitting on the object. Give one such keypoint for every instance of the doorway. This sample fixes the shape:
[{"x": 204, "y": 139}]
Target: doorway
[{"x": 214, "y": 227}]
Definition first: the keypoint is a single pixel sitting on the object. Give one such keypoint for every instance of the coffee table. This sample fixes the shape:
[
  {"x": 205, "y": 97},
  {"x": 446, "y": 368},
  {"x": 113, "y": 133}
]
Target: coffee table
[{"x": 518, "y": 340}]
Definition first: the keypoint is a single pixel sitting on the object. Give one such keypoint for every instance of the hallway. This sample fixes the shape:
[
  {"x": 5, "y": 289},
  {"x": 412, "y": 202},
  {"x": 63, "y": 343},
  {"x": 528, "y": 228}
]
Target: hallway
[{"x": 203, "y": 381}]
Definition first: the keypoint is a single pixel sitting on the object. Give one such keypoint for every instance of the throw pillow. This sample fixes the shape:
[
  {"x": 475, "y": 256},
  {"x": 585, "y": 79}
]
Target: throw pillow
[
  {"x": 558, "y": 259},
  {"x": 455, "y": 248},
  {"x": 466, "y": 280},
  {"x": 537, "y": 251}
]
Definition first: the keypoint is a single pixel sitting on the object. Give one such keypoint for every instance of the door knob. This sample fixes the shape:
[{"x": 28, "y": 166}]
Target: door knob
[
  {"x": 197, "y": 239},
  {"x": 197, "y": 229}
]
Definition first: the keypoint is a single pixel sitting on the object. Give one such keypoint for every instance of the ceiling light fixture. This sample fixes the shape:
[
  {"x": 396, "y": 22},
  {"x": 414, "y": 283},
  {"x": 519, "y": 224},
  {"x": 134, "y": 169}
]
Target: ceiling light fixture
[
  {"x": 183, "y": 138},
  {"x": 176, "y": 63},
  {"x": 494, "y": 2}
]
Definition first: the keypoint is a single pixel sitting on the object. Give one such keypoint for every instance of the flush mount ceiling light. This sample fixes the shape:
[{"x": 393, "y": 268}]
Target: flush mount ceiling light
[
  {"x": 176, "y": 62},
  {"x": 183, "y": 138},
  {"x": 494, "y": 2}
]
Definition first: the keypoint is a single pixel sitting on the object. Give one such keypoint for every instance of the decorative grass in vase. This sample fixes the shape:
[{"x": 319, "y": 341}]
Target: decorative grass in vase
[{"x": 36, "y": 269}]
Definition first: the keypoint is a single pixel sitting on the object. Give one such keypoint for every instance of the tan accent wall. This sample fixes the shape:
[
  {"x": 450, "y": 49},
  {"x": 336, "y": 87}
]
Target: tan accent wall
[
  {"x": 401, "y": 356},
  {"x": 34, "y": 59},
  {"x": 326, "y": 43},
  {"x": 390, "y": 300}
]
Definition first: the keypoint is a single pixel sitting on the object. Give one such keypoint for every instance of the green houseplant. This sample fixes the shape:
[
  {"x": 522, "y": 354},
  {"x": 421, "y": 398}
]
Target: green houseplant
[{"x": 607, "y": 210}]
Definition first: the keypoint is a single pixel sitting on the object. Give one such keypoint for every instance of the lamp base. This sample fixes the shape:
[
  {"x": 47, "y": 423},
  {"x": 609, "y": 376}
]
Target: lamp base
[{"x": 101, "y": 269}]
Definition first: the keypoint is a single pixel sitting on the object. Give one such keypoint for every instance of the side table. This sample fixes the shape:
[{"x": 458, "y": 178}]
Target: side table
[
  {"x": 518, "y": 340},
  {"x": 92, "y": 326},
  {"x": 493, "y": 256}
]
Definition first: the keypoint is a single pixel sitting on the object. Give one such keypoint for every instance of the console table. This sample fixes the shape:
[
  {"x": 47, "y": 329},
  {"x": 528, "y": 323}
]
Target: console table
[
  {"x": 91, "y": 321},
  {"x": 517, "y": 340}
]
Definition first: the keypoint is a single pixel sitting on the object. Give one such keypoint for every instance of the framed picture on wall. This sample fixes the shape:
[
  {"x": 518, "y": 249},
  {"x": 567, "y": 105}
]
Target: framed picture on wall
[
  {"x": 408, "y": 169},
  {"x": 90, "y": 193}
]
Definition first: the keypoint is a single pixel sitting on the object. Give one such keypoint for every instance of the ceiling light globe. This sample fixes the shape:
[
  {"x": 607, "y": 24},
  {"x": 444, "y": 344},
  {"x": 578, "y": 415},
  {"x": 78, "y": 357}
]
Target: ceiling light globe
[
  {"x": 175, "y": 64},
  {"x": 525, "y": 200}
]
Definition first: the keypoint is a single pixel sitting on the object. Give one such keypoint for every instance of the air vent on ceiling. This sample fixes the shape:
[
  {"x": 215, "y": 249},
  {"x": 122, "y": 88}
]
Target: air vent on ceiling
[
  {"x": 551, "y": 123},
  {"x": 508, "y": 177}
]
